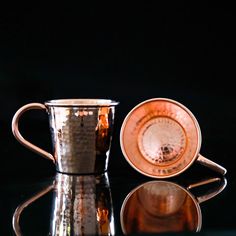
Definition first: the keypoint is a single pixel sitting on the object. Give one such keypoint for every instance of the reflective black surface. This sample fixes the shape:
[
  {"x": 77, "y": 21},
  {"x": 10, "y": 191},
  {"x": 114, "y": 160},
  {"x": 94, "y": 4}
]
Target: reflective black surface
[
  {"x": 80, "y": 205},
  {"x": 215, "y": 215}
]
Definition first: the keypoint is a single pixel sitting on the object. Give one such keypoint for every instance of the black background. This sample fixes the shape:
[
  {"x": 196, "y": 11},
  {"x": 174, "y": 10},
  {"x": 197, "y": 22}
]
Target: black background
[{"x": 128, "y": 52}]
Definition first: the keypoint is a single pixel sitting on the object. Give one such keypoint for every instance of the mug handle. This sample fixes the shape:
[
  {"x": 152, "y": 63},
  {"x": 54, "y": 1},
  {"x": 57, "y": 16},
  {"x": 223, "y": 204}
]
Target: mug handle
[
  {"x": 210, "y": 164},
  {"x": 18, "y": 136},
  {"x": 21, "y": 207},
  {"x": 204, "y": 197}
]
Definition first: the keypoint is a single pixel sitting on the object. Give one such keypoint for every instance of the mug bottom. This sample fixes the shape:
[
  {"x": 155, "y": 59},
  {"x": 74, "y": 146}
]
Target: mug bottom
[{"x": 89, "y": 173}]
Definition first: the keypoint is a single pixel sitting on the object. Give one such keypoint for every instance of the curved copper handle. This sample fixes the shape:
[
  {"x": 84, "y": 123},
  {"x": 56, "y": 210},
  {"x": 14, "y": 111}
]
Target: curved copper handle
[
  {"x": 18, "y": 136},
  {"x": 213, "y": 192},
  {"x": 20, "y": 208},
  {"x": 212, "y": 165}
]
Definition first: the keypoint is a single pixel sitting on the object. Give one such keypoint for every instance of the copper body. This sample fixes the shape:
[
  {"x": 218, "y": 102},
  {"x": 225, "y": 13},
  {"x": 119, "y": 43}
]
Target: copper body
[
  {"x": 161, "y": 138},
  {"x": 81, "y": 205},
  {"x": 163, "y": 206},
  {"x": 81, "y": 131}
]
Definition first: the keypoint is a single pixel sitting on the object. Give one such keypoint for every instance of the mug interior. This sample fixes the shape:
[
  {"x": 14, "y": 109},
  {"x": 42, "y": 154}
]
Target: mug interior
[{"x": 81, "y": 102}]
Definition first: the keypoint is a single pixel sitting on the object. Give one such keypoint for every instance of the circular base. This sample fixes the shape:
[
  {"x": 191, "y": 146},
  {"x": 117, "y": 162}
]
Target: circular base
[
  {"x": 161, "y": 141},
  {"x": 160, "y": 138}
]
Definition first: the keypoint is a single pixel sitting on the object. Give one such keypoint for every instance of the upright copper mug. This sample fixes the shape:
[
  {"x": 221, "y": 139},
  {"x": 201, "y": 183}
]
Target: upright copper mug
[{"x": 81, "y": 131}]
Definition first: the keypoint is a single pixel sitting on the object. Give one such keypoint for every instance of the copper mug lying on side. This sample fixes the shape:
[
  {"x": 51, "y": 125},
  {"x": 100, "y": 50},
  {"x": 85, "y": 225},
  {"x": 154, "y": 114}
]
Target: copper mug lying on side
[
  {"x": 161, "y": 138},
  {"x": 81, "y": 131}
]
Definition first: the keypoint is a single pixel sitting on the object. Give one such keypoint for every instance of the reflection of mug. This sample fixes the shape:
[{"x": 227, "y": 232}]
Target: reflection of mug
[
  {"x": 82, "y": 205},
  {"x": 161, "y": 138},
  {"x": 162, "y": 206},
  {"x": 81, "y": 131}
]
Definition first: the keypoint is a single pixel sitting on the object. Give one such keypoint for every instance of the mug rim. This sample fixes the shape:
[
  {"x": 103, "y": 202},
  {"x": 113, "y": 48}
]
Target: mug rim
[{"x": 82, "y": 102}]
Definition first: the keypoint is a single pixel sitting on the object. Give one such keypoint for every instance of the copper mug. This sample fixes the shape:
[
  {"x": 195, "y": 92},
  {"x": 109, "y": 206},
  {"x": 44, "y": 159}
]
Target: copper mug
[
  {"x": 81, "y": 131},
  {"x": 161, "y": 138}
]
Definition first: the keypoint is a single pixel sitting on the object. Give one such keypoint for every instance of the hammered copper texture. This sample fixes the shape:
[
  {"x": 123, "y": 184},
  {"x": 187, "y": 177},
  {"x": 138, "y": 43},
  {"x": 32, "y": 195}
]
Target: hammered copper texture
[
  {"x": 81, "y": 138},
  {"x": 81, "y": 131},
  {"x": 160, "y": 138}
]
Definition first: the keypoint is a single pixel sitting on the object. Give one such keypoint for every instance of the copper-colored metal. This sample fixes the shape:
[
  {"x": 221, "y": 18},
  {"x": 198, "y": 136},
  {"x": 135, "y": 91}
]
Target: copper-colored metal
[
  {"x": 210, "y": 164},
  {"x": 161, "y": 138},
  {"x": 17, "y": 134},
  {"x": 81, "y": 205},
  {"x": 162, "y": 206},
  {"x": 81, "y": 131}
]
